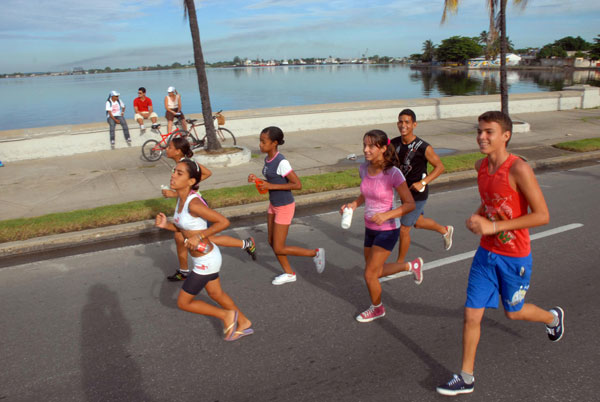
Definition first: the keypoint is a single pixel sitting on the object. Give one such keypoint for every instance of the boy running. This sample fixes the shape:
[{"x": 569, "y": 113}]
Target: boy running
[
  {"x": 502, "y": 264},
  {"x": 413, "y": 156}
]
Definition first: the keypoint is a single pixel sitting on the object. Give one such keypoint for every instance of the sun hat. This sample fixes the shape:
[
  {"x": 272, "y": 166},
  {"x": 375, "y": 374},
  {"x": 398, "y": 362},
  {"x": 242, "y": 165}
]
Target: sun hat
[
  {"x": 114, "y": 93},
  {"x": 171, "y": 89}
]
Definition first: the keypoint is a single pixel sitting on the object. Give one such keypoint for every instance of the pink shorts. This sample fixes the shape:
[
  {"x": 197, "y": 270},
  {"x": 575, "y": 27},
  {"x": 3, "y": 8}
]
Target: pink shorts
[{"x": 283, "y": 214}]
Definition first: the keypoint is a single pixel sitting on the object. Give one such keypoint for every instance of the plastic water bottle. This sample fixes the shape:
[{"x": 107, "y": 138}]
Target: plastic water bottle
[
  {"x": 201, "y": 246},
  {"x": 257, "y": 183},
  {"x": 347, "y": 218},
  {"x": 422, "y": 177}
]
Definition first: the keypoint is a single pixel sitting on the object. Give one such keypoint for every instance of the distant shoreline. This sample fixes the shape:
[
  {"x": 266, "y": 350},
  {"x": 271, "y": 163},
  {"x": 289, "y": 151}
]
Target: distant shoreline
[
  {"x": 413, "y": 66},
  {"x": 421, "y": 66},
  {"x": 166, "y": 68}
]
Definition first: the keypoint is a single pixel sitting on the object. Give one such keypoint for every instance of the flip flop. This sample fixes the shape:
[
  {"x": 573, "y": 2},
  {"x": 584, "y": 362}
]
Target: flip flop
[
  {"x": 240, "y": 334},
  {"x": 231, "y": 327}
]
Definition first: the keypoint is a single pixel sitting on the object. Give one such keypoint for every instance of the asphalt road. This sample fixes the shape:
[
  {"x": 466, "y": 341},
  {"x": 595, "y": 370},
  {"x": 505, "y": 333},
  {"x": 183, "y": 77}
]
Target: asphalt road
[{"x": 103, "y": 326}]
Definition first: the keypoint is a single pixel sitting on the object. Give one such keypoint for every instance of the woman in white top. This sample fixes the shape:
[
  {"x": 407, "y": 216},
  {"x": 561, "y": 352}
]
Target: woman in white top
[
  {"x": 190, "y": 218},
  {"x": 173, "y": 108}
]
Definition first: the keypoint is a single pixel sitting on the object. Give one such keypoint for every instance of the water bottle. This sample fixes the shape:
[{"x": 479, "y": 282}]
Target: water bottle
[
  {"x": 422, "y": 177},
  {"x": 347, "y": 218},
  {"x": 257, "y": 183},
  {"x": 201, "y": 246}
]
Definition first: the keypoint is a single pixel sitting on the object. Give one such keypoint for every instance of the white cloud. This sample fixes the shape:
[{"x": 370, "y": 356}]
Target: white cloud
[{"x": 42, "y": 16}]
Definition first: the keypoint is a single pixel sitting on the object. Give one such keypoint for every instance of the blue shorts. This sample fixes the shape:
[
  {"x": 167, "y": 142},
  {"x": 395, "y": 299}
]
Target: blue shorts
[
  {"x": 386, "y": 239},
  {"x": 411, "y": 218},
  {"x": 494, "y": 274}
]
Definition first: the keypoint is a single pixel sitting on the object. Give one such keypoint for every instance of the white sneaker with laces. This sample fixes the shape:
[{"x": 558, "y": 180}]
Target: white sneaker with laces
[
  {"x": 448, "y": 237},
  {"x": 284, "y": 278},
  {"x": 319, "y": 260}
]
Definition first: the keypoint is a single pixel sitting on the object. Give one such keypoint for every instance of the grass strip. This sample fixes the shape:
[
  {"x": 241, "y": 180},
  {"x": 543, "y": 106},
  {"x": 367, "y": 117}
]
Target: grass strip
[
  {"x": 587, "y": 145},
  {"x": 27, "y": 228}
]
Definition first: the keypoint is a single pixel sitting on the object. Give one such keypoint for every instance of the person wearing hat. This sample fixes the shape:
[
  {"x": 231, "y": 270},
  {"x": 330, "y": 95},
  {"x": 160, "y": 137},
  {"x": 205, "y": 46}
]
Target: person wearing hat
[
  {"x": 173, "y": 108},
  {"x": 115, "y": 112}
]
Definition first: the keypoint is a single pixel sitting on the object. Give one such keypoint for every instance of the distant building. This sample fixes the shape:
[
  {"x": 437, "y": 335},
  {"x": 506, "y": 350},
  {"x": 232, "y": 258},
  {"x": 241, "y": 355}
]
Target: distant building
[
  {"x": 480, "y": 62},
  {"x": 78, "y": 70}
]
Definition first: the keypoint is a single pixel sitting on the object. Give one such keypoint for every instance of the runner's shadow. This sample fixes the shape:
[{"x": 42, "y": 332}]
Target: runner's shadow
[{"x": 109, "y": 371}]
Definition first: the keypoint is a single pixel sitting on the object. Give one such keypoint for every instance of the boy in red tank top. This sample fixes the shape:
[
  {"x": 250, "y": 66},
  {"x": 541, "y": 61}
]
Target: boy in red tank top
[{"x": 511, "y": 202}]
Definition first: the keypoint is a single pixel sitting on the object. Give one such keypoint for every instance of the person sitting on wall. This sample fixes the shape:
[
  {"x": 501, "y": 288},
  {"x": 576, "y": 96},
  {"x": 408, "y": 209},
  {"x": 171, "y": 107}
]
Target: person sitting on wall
[
  {"x": 173, "y": 109},
  {"x": 143, "y": 109},
  {"x": 115, "y": 112}
]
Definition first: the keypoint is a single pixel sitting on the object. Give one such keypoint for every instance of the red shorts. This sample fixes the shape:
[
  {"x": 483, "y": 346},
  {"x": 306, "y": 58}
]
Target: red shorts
[{"x": 283, "y": 214}]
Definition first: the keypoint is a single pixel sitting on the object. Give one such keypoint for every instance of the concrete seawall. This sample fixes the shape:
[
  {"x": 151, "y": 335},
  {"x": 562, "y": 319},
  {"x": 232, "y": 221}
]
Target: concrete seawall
[{"x": 44, "y": 142}]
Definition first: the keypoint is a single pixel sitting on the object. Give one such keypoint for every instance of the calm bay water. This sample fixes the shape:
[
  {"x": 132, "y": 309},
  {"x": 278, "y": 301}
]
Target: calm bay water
[{"x": 75, "y": 99}]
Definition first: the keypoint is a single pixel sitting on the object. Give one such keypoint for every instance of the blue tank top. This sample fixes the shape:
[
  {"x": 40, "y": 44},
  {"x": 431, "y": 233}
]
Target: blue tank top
[{"x": 277, "y": 198}]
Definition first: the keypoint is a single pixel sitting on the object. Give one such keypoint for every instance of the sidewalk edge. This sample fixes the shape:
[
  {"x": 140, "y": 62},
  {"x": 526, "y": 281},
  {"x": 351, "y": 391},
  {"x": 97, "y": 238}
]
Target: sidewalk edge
[{"x": 90, "y": 236}]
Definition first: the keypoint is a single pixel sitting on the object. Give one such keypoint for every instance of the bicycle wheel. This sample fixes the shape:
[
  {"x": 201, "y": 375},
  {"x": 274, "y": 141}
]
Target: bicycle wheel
[
  {"x": 193, "y": 140},
  {"x": 151, "y": 151},
  {"x": 226, "y": 137}
]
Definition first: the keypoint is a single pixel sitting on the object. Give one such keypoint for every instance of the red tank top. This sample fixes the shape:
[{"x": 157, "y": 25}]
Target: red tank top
[{"x": 501, "y": 202}]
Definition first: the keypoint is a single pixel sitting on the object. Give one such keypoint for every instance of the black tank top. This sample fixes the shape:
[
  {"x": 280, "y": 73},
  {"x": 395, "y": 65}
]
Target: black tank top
[{"x": 413, "y": 163}]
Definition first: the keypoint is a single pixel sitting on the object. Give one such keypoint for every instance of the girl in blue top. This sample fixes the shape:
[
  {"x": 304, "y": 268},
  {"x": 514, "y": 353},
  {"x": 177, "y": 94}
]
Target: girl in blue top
[{"x": 281, "y": 179}]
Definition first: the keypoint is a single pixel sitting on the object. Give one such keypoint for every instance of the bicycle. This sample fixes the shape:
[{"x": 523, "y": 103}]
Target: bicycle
[
  {"x": 225, "y": 136},
  {"x": 152, "y": 150}
]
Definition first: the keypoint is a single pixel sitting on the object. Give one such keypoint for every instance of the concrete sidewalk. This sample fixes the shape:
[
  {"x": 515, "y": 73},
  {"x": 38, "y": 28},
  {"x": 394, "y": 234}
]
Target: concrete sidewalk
[{"x": 38, "y": 187}]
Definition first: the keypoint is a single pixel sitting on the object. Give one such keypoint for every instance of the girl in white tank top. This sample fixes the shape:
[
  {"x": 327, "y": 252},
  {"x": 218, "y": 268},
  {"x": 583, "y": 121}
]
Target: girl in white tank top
[
  {"x": 178, "y": 149},
  {"x": 190, "y": 219}
]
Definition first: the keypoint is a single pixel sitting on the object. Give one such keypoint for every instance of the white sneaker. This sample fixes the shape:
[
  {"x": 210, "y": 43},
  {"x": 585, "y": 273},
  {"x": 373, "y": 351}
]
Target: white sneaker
[
  {"x": 284, "y": 278},
  {"x": 448, "y": 237},
  {"x": 319, "y": 260}
]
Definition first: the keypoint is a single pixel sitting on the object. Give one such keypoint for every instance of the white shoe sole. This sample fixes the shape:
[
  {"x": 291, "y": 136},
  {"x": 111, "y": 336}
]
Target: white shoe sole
[
  {"x": 447, "y": 392},
  {"x": 277, "y": 283},
  {"x": 360, "y": 319}
]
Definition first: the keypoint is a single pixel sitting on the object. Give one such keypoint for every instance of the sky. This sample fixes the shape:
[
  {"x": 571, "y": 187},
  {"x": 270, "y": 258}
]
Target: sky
[{"x": 43, "y": 35}]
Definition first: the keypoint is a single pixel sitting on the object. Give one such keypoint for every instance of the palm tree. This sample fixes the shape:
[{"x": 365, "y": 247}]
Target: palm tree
[
  {"x": 497, "y": 9},
  {"x": 189, "y": 12},
  {"x": 428, "y": 50}
]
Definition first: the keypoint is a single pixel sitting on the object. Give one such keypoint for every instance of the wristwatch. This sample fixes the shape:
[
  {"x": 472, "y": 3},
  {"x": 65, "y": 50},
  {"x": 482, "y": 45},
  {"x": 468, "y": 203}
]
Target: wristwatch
[{"x": 423, "y": 183}]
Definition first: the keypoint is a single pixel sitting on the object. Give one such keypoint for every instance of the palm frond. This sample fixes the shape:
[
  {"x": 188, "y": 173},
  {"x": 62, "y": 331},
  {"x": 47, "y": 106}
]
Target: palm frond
[{"x": 449, "y": 6}]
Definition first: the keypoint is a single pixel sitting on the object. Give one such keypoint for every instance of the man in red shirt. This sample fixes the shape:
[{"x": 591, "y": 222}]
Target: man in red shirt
[
  {"x": 511, "y": 203},
  {"x": 143, "y": 109}
]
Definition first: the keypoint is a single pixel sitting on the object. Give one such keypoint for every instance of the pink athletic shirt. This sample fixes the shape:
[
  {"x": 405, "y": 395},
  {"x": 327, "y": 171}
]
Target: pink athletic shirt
[{"x": 378, "y": 191}]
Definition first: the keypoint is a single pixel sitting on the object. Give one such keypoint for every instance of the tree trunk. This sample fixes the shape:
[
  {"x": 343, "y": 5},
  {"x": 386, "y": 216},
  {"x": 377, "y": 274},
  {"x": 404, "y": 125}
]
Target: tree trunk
[
  {"x": 211, "y": 135},
  {"x": 503, "y": 47}
]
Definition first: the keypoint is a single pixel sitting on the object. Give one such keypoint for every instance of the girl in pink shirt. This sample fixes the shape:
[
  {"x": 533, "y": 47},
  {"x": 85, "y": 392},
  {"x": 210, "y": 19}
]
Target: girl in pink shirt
[{"x": 380, "y": 177}]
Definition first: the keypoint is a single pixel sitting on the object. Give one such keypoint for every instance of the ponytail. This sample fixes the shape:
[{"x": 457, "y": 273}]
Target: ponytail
[{"x": 183, "y": 145}]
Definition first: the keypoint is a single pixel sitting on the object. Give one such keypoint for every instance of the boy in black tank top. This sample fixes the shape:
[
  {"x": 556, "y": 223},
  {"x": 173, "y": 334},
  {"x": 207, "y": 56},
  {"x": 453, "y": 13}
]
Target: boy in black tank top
[{"x": 413, "y": 155}]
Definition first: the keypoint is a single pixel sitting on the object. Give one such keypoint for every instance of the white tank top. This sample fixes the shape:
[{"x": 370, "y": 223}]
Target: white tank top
[
  {"x": 184, "y": 220},
  {"x": 173, "y": 104}
]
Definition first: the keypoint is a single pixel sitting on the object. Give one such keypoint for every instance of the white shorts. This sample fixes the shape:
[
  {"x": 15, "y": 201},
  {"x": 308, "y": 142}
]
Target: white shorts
[
  {"x": 208, "y": 263},
  {"x": 139, "y": 116}
]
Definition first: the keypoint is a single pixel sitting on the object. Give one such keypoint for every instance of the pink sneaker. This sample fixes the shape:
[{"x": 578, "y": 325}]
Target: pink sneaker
[
  {"x": 372, "y": 313},
  {"x": 416, "y": 268}
]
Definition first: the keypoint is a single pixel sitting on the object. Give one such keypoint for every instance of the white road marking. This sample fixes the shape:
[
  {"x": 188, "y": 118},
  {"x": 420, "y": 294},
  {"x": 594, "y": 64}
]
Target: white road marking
[{"x": 471, "y": 254}]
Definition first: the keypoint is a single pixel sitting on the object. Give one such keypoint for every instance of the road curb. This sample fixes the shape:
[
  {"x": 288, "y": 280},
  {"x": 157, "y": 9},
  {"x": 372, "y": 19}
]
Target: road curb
[{"x": 108, "y": 233}]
